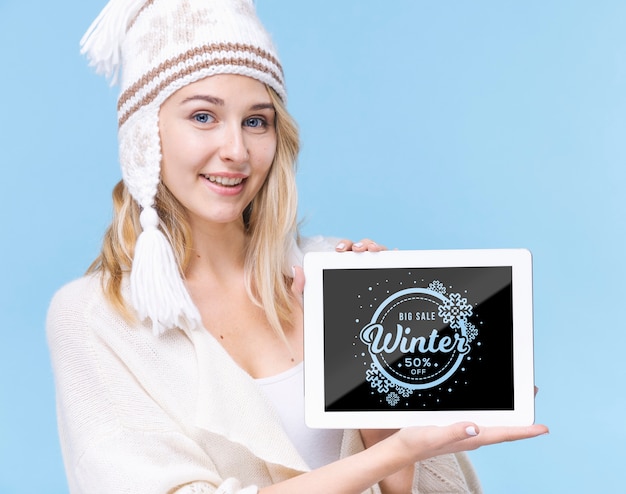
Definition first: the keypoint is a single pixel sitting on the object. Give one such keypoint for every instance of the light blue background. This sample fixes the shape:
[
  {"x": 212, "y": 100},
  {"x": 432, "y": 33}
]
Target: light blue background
[{"x": 449, "y": 124}]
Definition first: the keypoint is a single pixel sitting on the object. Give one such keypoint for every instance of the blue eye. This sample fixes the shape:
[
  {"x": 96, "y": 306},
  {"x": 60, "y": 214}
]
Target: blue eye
[
  {"x": 203, "y": 118},
  {"x": 255, "y": 122}
]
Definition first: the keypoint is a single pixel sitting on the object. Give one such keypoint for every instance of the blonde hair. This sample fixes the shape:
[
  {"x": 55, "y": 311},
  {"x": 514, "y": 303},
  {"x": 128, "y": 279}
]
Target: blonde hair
[{"x": 270, "y": 220}]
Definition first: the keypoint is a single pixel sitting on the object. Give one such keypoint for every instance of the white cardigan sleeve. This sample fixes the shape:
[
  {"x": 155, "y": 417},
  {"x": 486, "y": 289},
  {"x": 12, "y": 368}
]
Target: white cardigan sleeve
[
  {"x": 115, "y": 436},
  {"x": 230, "y": 485}
]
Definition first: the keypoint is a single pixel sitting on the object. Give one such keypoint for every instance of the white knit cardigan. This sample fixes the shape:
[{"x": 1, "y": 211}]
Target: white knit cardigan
[{"x": 175, "y": 414}]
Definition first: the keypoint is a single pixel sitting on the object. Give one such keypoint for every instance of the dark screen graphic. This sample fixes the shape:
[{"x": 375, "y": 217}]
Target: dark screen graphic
[{"x": 418, "y": 339}]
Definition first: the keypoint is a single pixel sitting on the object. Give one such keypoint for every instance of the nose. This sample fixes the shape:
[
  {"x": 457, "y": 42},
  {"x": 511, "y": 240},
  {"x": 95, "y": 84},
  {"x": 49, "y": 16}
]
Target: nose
[{"x": 234, "y": 148}]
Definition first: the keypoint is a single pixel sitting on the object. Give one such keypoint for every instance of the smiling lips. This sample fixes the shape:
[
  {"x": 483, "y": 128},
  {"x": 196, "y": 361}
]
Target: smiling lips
[{"x": 224, "y": 181}]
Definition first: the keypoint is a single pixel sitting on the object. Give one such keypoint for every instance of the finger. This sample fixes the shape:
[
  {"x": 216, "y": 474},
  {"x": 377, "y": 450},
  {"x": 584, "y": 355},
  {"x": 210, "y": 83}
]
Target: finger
[
  {"x": 495, "y": 435},
  {"x": 364, "y": 245},
  {"x": 344, "y": 245},
  {"x": 432, "y": 441},
  {"x": 297, "y": 285},
  {"x": 361, "y": 245},
  {"x": 456, "y": 432},
  {"x": 462, "y": 431},
  {"x": 374, "y": 247},
  {"x": 367, "y": 245},
  {"x": 427, "y": 442},
  {"x": 468, "y": 437}
]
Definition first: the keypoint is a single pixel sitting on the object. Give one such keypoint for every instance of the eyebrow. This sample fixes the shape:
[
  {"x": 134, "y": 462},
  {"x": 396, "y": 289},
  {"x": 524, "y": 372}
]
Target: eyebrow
[
  {"x": 220, "y": 102},
  {"x": 202, "y": 97},
  {"x": 263, "y": 106}
]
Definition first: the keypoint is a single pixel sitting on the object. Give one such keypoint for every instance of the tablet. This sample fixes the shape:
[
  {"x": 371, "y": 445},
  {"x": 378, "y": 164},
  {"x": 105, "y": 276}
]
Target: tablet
[{"x": 400, "y": 338}]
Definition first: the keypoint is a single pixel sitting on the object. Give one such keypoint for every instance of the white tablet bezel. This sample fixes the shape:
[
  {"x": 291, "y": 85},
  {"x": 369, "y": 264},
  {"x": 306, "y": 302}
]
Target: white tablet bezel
[{"x": 520, "y": 260}]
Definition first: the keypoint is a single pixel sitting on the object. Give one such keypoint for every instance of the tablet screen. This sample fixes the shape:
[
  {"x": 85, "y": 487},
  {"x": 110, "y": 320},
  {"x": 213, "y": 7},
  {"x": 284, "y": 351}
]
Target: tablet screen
[{"x": 426, "y": 339}]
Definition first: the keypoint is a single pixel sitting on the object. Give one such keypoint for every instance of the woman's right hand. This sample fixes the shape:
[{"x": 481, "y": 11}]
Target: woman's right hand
[
  {"x": 400, "y": 450},
  {"x": 425, "y": 442},
  {"x": 414, "y": 444}
]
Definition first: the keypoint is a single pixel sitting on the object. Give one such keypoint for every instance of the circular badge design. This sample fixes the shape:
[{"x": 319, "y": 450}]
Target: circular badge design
[{"x": 417, "y": 339}]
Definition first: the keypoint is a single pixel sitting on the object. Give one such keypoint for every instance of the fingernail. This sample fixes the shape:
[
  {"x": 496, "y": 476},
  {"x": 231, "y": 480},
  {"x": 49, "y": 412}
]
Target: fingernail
[
  {"x": 293, "y": 271},
  {"x": 358, "y": 244},
  {"x": 340, "y": 246},
  {"x": 471, "y": 430}
]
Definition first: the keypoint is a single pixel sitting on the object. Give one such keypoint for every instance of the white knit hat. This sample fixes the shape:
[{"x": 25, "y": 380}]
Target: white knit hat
[{"x": 159, "y": 46}]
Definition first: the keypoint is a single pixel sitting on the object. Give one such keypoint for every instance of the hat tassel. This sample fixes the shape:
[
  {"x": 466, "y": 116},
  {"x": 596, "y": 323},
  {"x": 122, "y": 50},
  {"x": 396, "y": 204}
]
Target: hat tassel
[
  {"x": 103, "y": 40},
  {"x": 157, "y": 290}
]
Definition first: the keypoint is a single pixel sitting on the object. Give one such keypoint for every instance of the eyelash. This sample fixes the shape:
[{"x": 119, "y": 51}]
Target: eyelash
[
  {"x": 262, "y": 123},
  {"x": 206, "y": 118},
  {"x": 202, "y": 118}
]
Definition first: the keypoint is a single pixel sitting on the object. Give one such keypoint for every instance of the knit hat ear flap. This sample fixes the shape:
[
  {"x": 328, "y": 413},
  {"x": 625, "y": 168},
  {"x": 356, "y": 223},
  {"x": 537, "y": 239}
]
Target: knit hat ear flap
[{"x": 157, "y": 290}]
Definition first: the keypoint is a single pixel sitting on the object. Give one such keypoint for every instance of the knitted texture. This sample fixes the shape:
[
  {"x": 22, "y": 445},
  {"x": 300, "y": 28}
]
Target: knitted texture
[
  {"x": 140, "y": 155},
  {"x": 173, "y": 43},
  {"x": 158, "y": 47},
  {"x": 141, "y": 414},
  {"x": 445, "y": 474},
  {"x": 231, "y": 485}
]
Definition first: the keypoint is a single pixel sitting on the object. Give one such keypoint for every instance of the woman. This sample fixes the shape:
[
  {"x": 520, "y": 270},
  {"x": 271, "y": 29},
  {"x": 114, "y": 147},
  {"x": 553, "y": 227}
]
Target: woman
[{"x": 172, "y": 356}]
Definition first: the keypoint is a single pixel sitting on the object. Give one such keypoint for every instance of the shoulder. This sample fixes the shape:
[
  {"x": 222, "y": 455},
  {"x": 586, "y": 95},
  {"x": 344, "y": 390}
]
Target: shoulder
[
  {"x": 317, "y": 243},
  {"x": 304, "y": 245},
  {"x": 74, "y": 307},
  {"x": 75, "y": 297}
]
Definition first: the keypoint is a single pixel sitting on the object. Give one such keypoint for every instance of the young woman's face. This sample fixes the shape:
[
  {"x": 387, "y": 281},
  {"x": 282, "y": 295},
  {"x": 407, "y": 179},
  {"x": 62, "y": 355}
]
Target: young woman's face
[{"x": 218, "y": 140}]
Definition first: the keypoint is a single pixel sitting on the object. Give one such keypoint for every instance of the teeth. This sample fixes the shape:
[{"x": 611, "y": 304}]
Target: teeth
[{"x": 225, "y": 181}]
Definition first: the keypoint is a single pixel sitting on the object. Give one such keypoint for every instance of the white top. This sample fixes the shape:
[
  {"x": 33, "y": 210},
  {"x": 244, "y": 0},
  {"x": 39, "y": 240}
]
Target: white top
[{"x": 285, "y": 391}]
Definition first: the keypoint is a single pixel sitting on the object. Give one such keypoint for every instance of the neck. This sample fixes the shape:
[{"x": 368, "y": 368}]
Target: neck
[{"x": 217, "y": 251}]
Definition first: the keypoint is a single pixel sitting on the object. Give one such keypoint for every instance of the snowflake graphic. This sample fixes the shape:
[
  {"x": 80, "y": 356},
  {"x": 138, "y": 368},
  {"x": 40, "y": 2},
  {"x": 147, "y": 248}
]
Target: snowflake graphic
[
  {"x": 404, "y": 392},
  {"x": 472, "y": 332},
  {"x": 376, "y": 380},
  {"x": 437, "y": 286},
  {"x": 393, "y": 399},
  {"x": 455, "y": 310},
  {"x": 178, "y": 27}
]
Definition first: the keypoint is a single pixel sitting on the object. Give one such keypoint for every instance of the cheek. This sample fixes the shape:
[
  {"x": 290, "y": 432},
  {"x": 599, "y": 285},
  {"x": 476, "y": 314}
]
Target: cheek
[
  {"x": 168, "y": 151},
  {"x": 267, "y": 154},
  {"x": 168, "y": 156},
  {"x": 166, "y": 171},
  {"x": 174, "y": 163},
  {"x": 178, "y": 152}
]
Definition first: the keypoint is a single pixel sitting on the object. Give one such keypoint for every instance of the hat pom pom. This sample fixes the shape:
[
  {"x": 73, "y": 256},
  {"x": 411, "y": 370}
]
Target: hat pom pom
[
  {"x": 102, "y": 43},
  {"x": 157, "y": 290}
]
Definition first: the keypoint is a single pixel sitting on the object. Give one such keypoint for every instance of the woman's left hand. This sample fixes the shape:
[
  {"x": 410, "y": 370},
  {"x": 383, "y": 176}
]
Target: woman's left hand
[
  {"x": 344, "y": 245},
  {"x": 365, "y": 245}
]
